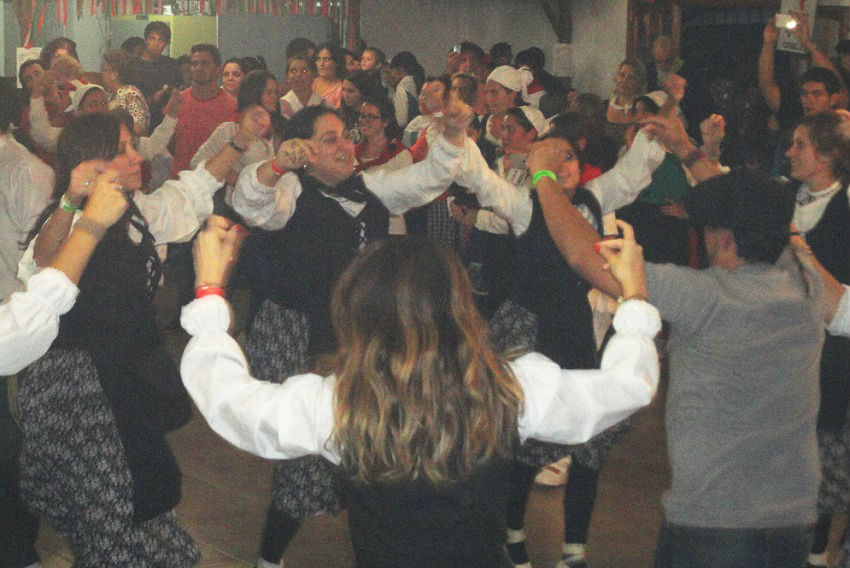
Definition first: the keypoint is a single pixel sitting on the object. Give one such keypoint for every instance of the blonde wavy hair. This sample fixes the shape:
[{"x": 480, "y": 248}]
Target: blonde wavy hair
[{"x": 419, "y": 393}]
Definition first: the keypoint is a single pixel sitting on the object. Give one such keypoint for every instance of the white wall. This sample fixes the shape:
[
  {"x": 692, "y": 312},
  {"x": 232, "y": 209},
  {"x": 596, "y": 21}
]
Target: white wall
[
  {"x": 599, "y": 43},
  {"x": 429, "y": 28}
]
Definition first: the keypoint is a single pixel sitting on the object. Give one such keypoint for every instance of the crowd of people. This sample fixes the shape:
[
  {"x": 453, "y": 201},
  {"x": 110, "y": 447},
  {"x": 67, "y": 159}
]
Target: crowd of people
[{"x": 456, "y": 287}]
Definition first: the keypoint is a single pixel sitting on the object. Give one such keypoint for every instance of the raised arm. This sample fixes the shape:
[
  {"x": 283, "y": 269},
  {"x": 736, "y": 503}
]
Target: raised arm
[{"x": 766, "y": 73}]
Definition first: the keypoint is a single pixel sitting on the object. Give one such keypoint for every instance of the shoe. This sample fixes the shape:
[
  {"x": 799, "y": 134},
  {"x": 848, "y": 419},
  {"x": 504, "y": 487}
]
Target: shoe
[
  {"x": 263, "y": 563},
  {"x": 516, "y": 549},
  {"x": 554, "y": 474},
  {"x": 564, "y": 562}
]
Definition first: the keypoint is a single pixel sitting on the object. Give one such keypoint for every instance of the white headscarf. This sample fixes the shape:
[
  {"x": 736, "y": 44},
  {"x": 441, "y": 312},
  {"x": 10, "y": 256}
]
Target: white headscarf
[{"x": 516, "y": 80}]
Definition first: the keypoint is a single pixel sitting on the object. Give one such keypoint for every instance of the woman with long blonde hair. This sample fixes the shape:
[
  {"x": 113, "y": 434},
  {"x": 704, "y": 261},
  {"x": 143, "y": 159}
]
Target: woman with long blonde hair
[{"x": 420, "y": 413}]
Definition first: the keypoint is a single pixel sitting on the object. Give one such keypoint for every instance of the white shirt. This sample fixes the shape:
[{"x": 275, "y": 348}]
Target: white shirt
[
  {"x": 43, "y": 133},
  {"x": 808, "y": 215},
  {"x": 400, "y": 190},
  {"x": 29, "y": 321},
  {"x": 840, "y": 324},
  {"x": 174, "y": 212},
  {"x": 26, "y": 184},
  {"x": 282, "y": 421},
  {"x": 615, "y": 188},
  {"x": 290, "y": 103}
]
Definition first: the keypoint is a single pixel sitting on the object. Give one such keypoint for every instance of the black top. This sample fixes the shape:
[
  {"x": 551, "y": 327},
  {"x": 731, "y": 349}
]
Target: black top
[
  {"x": 547, "y": 286},
  {"x": 308, "y": 255},
  {"x": 113, "y": 319},
  {"x": 830, "y": 242}
]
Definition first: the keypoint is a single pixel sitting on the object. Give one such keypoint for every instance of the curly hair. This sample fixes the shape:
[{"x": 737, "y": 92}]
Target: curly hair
[
  {"x": 420, "y": 394},
  {"x": 124, "y": 64},
  {"x": 826, "y": 133}
]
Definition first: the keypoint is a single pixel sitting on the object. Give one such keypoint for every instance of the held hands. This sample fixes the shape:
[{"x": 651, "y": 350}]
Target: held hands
[
  {"x": 455, "y": 120},
  {"x": 106, "y": 203},
  {"x": 675, "y": 86},
  {"x": 547, "y": 154},
  {"x": 669, "y": 131},
  {"x": 83, "y": 180},
  {"x": 216, "y": 250},
  {"x": 624, "y": 259},
  {"x": 295, "y": 154}
]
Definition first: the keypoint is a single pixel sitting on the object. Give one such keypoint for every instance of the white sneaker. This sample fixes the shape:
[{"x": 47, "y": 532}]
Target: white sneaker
[
  {"x": 554, "y": 474},
  {"x": 263, "y": 563}
]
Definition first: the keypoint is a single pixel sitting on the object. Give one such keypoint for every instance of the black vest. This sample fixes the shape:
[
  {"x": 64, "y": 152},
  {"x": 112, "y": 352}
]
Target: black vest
[
  {"x": 830, "y": 241},
  {"x": 113, "y": 319},
  {"x": 547, "y": 286},
  {"x": 308, "y": 255}
]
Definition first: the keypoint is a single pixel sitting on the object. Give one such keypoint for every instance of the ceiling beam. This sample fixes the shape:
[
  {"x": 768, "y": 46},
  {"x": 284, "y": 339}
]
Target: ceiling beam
[{"x": 560, "y": 15}]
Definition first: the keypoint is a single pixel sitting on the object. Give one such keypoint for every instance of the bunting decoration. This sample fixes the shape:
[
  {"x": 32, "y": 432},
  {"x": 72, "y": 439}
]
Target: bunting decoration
[{"x": 344, "y": 14}]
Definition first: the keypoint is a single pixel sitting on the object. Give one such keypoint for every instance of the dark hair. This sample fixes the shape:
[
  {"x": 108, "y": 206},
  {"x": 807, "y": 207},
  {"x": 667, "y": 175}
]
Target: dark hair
[
  {"x": 387, "y": 111},
  {"x": 520, "y": 118},
  {"x": 367, "y": 83},
  {"x": 337, "y": 56},
  {"x": 207, "y": 48},
  {"x": 124, "y": 64},
  {"x": 828, "y": 139},
  {"x": 132, "y": 43},
  {"x": 160, "y": 28},
  {"x": 471, "y": 82},
  {"x": 251, "y": 90},
  {"x": 822, "y": 75},
  {"x": 533, "y": 57},
  {"x": 87, "y": 137},
  {"x": 302, "y": 57},
  {"x": 350, "y": 53},
  {"x": 184, "y": 60},
  {"x": 302, "y": 123},
  {"x": 501, "y": 49},
  {"x": 474, "y": 48},
  {"x": 299, "y": 46},
  {"x": 249, "y": 63},
  {"x": 55, "y": 45},
  {"x": 237, "y": 62},
  {"x": 648, "y": 103},
  {"x": 407, "y": 61},
  {"x": 24, "y": 66},
  {"x": 445, "y": 80},
  {"x": 559, "y": 130}
]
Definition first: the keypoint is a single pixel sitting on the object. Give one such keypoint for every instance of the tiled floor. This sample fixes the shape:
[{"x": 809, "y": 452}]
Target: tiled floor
[{"x": 226, "y": 491}]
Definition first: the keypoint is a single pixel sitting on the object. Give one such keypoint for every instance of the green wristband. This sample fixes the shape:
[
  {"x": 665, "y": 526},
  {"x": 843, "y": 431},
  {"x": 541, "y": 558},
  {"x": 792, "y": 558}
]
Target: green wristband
[
  {"x": 541, "y": 174},
  {"x": 66, "y": 204}
]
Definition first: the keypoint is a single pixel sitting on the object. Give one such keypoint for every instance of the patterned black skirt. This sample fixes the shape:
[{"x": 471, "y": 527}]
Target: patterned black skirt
[
  {"x": 277, "y": 349},
  {"x": 75, "y": 473}
]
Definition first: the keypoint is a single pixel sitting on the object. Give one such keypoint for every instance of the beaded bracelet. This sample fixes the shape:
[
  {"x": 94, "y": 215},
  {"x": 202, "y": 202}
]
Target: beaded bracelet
[
  {"x": 93, "y": 228},
  {"x": 209, "y": 290},
  {"x": 541, "y": 174}
]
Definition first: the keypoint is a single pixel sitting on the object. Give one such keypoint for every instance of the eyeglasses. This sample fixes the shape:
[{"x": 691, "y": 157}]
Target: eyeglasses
[{"x": 368, "y": 117}]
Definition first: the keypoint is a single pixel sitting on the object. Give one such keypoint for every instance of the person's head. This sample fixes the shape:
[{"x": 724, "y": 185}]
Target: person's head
[
  {"x": 250, "y": 63},
  {"x": 300, "y": 46},
  {"x": 66, "y": 68},
  {"x": 465, "y": 87},
  {"x": 630, "y": 80},
  {"x": 206, "y": 64},
  {"x": 647, "y": 105},
  {"x": 300, "y": 73},
  {"x": 372, "y": 59},
  {"x": 27, "y": 72},
  {"x": 533, "y": 58},
  {"x": 569, "y": 170},
  {"x": 119, "y": 69},
  {"x": 419, "y": 392},
  {"x": 185, "y": 63},
  {"x": 134, "y": 45},
  {"x": 88, "y": 98},
  {"x": 820, "y": 151},
  {"x": 434, "y": 96},
  {"x": 231, "y": 76},
  {"x": 157, "y": 36},
  {"x": 520, "y": 127},
  {"x": 576, "y": 126},
  {"x": 662, "y": 49},
  {"x": 819, "y": 90},
  {"x": 352, "y": 61},
  {"x": 472, "y": 58},
  {"x": 55, "y": 47},
  {"x": 403, "y": 63},
  {"x": 330, "y": 62},
  {"x": 357, "y": 86},
  {"x": 746, "y": 215},
  {"x": 501, "y": 54},
  {"x": 842, "y": 48},
  {"x": 503, "y": 87},
  {"x": 98, "y": 136},
  {"x": 334, "y": 160},
  {"x": 258, "y": 88},
  {"x": 377, "y": 116}
]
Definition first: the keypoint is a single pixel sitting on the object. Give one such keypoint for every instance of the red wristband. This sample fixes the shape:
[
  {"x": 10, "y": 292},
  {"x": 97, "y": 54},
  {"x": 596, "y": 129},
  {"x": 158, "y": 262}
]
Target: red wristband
[
  {"x": 202, "y": 291},
  {"x": 275, "y": 169}
]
